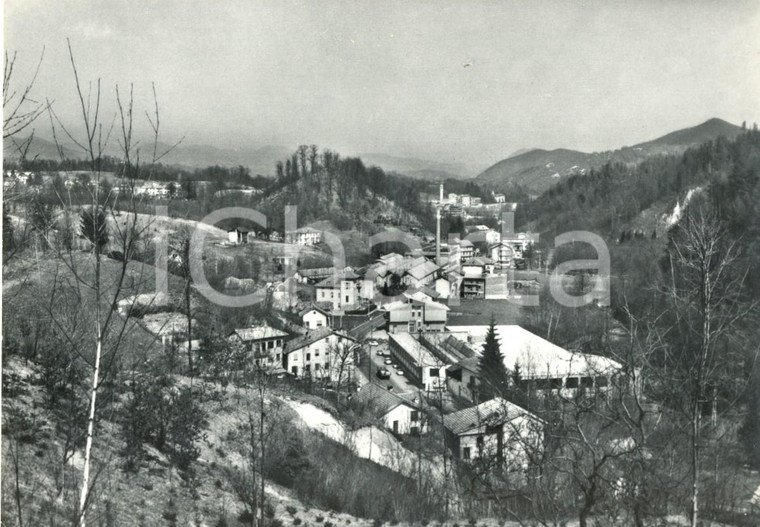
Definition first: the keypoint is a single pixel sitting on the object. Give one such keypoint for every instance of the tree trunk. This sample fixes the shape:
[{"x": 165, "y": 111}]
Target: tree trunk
[{"x": 84, "y": 494}]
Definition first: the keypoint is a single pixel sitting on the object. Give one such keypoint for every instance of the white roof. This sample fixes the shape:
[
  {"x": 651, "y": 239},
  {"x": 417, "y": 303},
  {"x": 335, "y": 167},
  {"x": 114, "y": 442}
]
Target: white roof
[
  {"x": 259, "y": 333},
  {"x": 537, "y": 357}
]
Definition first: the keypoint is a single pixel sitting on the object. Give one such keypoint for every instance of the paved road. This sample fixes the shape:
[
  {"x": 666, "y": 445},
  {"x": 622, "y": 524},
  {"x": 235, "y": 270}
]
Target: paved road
[{"x": 400, "y": 383}]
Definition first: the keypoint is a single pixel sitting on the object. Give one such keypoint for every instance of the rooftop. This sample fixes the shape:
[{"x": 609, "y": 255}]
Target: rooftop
[
  {"x": 536, "y": 357},
  {"x": 259, "y": 333},
  {"x": 379, "y": 399},
  {"x": 490, "y": 413}
]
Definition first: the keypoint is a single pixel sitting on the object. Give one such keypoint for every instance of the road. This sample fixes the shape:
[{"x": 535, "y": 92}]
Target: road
[{"x": 400, "y": 383}]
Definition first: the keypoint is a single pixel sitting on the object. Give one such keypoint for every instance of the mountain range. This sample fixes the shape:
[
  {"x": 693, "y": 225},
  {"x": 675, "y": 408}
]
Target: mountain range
[
  {"x": 537, "y": 169},
  {"x": 260, "y": 160}
]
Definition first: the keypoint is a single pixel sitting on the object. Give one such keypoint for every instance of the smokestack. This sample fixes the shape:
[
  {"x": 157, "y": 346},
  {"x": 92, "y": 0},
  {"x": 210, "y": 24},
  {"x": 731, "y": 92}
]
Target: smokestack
[
  {"x": 438, "y": 234},
  {"x": 440, "y": 200}
]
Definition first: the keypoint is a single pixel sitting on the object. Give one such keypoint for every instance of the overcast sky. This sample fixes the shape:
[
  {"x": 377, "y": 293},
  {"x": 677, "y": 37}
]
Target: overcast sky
[{"x": 456, "y": 81}]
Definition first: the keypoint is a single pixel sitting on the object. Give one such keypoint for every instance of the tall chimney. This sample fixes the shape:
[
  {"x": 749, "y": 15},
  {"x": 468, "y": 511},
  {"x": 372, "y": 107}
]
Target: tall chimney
[
  {"x": 440, "y": 200},
  {"x": 438, "y": 234}
]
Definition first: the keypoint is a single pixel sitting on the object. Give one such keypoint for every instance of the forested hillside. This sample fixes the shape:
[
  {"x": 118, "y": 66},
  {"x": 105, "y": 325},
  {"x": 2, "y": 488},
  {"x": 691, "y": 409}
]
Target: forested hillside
[{"x": 326, "y": 186}]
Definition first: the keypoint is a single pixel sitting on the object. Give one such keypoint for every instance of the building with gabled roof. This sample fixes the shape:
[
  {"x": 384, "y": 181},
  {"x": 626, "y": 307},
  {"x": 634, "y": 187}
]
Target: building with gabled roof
[
  {"x": 321, "y": 353},
  {"x": 303, "y": 236},
  {"x": 400, "y": 415},
  {"x": 265, "y": 344},
  {"x": 543, "y": 365},
  {"x": 421, "y": 274},
  {"x": 495, "y": 429}
]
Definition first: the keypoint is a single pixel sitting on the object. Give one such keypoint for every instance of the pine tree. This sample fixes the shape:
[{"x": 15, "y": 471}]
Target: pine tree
[{"x": 493, "y": 374}]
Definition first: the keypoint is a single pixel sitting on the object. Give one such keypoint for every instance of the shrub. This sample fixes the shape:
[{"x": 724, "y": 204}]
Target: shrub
[
  {"x": 245, "y": 517},
  {"x": 319, "y": 518},
  {"x": 269, "y": 510},
  {"x": 291, "y": 510},
  {"x": 296, "y": 521}
]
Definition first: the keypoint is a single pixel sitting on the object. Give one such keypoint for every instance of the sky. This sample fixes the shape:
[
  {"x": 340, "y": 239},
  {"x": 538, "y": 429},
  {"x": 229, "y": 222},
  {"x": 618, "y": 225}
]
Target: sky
[{"x": 452, "y": 81}]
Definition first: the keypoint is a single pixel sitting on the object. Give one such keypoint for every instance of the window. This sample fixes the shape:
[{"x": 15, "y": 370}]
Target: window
[
  {"x": 434, "y": 372},
  {"x": 319, "y": 323},
  {"x": 411, "y": 326},
  {"x": 346, "y": 299},
  {"x": 316, "y": 353},
  {"x": 571, "y": 382},
  {"x": 316, "y": 367},
  {"x": 415, "y": 415},
  {"x": 308, "y": 357},
  {"x": 587, "y": 382},
  {"x": 480, "y": 442},
  {"x": 270, "y": 345},
  {"x": 601, "y": 382},
  {"x": 556, "y": 384},
  {"x": 466, "y": 453}
]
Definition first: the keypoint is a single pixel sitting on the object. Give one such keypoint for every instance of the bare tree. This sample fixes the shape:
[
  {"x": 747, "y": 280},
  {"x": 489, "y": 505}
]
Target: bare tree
[{"x": 705, "y": 297}]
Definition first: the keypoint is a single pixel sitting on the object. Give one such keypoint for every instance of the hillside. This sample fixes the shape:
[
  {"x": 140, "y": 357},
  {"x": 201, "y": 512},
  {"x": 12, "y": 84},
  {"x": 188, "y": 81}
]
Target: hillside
[{"x": 537, "y": 170}]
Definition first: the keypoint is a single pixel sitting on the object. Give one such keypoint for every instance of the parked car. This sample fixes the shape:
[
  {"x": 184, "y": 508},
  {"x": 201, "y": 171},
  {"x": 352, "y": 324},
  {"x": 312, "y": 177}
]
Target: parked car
[
  {"x": 383, "y": 373},
  {"x": 380, "y": 353},
  {"x": 399, "y": 372},
  {"x": 388, "y": 361},
  {"x": 373, "y": 342}
]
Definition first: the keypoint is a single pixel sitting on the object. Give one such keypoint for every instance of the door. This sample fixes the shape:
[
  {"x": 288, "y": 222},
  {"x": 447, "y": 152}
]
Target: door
[{"x": 395, "y": 427}]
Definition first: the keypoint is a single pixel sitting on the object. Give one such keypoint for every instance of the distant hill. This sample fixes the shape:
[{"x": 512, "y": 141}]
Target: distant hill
[
  {"x": 420, "y": 168},
  {"x": 537, "y": 170},
  {"x": 259, "y": 160}
]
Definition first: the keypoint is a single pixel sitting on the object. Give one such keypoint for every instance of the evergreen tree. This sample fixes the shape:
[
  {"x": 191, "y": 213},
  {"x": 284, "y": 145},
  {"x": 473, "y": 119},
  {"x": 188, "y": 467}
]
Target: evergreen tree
[
  {"x": 493, "y": 374},
  {"x": 94, "y": 227}
]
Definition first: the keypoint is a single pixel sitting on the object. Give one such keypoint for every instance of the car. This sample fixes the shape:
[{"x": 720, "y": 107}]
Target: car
[
  {"x": 388, "y": 361},
  {"x": 383, "y": 373},
  {"x": 390, "y": 387},
  {"x": 373, "y": 342},
  {"x": 399, "y": 372},
  {"x": 380, "y": 353}
]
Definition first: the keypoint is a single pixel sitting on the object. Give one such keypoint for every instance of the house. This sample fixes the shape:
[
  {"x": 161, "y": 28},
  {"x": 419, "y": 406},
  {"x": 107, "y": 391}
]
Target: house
[
  {"x": 519, "y": 242},
  {"x": 303, "y": 236},
  {"x": 399, "y": 415},
  {"x": 542, "y": 365},
  {"x": 466, "y": 250},
  {"x": 321, "y": 353},
  {"x": 275, "y": 236},
  {"x": 342, "y": 290},
  {"x": 264, "y": 342},
  {"x": 474, "y": 278},
  {"x": 314, "y": 317},
  {"x": 421, "y": 366},
  {"x": 313, "y": 276},
  {"x": 499, "y": 198},
  {"x": 240, "y": 235},
  {"x": 502, "y": 254},
  {"x": 495, "y": 429},
  {"x": 465, "y": 200},
  {"x": 414, "y": 315},
  {"x": 421, "y": 274}
]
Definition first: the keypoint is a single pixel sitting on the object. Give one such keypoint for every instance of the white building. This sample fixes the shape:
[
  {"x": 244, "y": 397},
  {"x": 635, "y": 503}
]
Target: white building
[
  {"x": 399, "y": 415},
  {"x": 304, "y": 236},
  {"x": 342, "y": 290},
  {"x": 321, "y": 353},
  {"x": 314, "y": 317},
  {"x": 265, "y": 344},
  {"x": 421, "y": 366},
  {"x": 496, "y": 429},
  {"x": 542, "y": 365}
]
